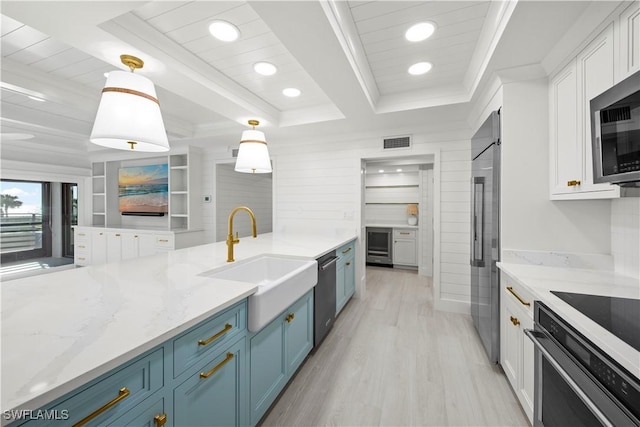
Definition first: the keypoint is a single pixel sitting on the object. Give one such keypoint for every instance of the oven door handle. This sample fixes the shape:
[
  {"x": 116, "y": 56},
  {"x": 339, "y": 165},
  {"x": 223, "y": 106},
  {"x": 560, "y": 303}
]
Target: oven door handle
[{"x": 537, "y": 337}]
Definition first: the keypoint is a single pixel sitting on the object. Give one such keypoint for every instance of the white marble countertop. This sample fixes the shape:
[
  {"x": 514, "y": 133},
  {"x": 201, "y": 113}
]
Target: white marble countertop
[
  {"x": 541, "y": 280},
  {"x": 64, "y": 329}
]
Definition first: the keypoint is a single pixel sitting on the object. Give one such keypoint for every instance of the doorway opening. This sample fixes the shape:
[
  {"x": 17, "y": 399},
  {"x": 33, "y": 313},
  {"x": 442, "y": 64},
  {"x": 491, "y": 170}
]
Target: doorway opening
[
  {"x": 35, "y": 225},
  {"x": 398, "y": 195}
]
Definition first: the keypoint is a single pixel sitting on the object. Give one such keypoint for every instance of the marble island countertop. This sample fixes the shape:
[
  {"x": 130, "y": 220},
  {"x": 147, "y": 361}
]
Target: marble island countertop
[
  {"x": 541, "y": 280},
  {"x": 64, "y": 329}
]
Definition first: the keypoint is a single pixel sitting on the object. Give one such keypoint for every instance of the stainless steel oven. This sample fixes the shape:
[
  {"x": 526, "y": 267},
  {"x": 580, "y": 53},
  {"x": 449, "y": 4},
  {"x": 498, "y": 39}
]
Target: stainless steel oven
[
  {"x": 379, "y": 250},
  {"x": 576, "y": 383}
]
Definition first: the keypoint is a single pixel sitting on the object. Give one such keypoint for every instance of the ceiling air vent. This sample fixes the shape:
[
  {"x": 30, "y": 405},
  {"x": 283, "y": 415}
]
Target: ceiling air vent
[{"x": 396, "y": 142}]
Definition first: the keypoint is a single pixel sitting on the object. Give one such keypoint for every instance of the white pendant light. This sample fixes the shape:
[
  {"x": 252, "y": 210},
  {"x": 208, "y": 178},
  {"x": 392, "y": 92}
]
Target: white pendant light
[
  {"x": 129, "y": 115},
  {"x": 253, "y": 154}
]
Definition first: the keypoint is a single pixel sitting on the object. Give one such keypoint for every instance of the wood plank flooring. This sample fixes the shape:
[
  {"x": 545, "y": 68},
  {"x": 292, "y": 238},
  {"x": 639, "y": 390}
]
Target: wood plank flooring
[{"x": 392, "y": 360}]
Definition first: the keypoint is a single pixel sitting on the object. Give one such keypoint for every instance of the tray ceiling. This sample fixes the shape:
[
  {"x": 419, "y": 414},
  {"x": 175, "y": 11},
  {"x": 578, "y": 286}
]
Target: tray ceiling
[{"x": 349, "y": 59}]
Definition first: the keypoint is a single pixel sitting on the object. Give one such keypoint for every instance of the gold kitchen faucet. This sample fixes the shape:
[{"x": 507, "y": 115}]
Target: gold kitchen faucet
[{"x": 230, "y": 239}]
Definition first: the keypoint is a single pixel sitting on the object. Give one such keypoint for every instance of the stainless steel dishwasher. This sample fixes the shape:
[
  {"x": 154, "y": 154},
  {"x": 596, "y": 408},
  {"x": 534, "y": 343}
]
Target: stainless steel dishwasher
[{"x": 324, "y": 297}]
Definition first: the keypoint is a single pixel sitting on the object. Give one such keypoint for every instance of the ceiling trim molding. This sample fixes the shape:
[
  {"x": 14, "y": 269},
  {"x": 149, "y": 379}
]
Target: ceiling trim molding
[
  {"x": 495, "y": 24},
  {"x": 339, "y": 16}
]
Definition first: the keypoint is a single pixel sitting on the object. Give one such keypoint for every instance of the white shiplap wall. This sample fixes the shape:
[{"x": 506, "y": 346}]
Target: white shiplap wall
[
  {"x": 455, "y": 212},
  {"x": 318, "y": 186},
  {"x": 235, "y": 189},
  {"x": 426, "y": 221}
]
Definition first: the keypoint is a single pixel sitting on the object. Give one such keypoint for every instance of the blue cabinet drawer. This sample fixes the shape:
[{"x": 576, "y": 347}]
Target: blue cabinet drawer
[
  {"x": 111, "y": 397},
  {"x": 208, "y": 338},
  {"x": 346, "y": 251}
]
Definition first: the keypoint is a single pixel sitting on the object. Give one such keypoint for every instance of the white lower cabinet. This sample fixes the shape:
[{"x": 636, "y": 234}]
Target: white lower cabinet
[
  {"x": 516, "y": 350},
  {"x": 96, "y": 245},
  {"x": 405, "y": 247}
]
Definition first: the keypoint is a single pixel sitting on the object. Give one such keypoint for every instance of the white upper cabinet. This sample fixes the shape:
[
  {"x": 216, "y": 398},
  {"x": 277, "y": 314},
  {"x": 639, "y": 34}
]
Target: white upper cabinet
[
  {"x": 588, "y": 75},
  {"x": 630, "y": 40}
]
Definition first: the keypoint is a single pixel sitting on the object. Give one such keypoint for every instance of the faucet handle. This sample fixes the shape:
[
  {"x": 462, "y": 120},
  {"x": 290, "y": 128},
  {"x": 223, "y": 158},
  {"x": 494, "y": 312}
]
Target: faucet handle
[{"x": 237, "y": 238}]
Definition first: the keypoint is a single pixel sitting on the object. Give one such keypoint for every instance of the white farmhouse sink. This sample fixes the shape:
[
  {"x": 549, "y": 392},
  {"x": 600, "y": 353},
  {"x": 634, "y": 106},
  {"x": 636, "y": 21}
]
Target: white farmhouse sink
[{"x": 281, "y": 281}]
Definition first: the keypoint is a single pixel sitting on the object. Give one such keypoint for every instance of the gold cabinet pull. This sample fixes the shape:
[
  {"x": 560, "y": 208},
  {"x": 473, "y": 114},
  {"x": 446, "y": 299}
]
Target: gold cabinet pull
[
  {"x": 346, "y": 250},
  {"x": 123, "y": 393},
  {"x": 290, "y": 317},
  {"x": 348, "y": 263},
  {"x": 514, "y": 320},
  {"x": 160, "y": 420},
  {"x": 404, "y": 233},
  {"x": 216, "y": 336},
  {"x": 523, "y": 302},
  {"x": 117, "y": 234},
  {"x": 217, "y": 367},
  {"x": 573, "y": 183},
  {"x": 163, "y": 240}
]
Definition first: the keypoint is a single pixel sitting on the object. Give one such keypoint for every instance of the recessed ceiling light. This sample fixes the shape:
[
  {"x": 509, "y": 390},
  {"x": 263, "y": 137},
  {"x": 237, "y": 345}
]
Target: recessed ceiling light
[
  {"x": 381, "y": 170},
  {"x": 420, "y": 68},
  {"x": 223, "y": 30},
  {"x": 398, "y": 170},
  {"x": 35, "y": 98},
  {"x": 291, "y": 92},
  {"x": 419, "y": 32},
  {"x": 265, "y": 68}
]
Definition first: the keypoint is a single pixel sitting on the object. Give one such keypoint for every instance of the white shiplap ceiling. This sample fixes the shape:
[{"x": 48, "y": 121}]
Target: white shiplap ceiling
[{"x": 349, "y": 59}]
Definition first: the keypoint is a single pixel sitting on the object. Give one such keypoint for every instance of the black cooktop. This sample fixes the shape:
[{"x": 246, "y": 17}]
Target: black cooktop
[{"x": 620, "y": 316}]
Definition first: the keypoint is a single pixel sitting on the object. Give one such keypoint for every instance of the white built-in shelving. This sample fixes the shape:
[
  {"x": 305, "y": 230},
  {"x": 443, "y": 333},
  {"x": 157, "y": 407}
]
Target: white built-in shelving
[{"x": 184, "y": 193}]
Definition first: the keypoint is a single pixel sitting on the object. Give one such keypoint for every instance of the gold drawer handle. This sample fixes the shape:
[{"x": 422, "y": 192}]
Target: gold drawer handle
[
  {"x": 404, "y": 232},
  {"x": 514, "y": 320},
  {"x": 216, "y": 336},
  {"x": 117, "y": 234},
  {"x": 346, "y": 251},
  {"x": 523, "y": 302},
  {"x": 348, "y": 263},
  {"x": 160, "y": 420},
  {"x": 123, "y": 393},
  {"x": 82, "y": 246},
  {"x": 81, "y": 234},
  {"x": 81, "y": 258},
  {"x": 573, "y": 183},
  {"x": 290, "y": 317},
  {"x": 163, "y": 240},
  {"x": 217, "y": 367}
]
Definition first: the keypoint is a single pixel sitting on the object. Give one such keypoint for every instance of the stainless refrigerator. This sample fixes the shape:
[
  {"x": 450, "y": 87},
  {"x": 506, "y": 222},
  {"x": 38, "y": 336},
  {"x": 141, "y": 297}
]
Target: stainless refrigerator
[{"x": 485, "y": 234}]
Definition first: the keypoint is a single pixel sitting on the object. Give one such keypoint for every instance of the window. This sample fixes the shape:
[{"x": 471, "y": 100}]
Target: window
[{"x": 25, "y": 231}]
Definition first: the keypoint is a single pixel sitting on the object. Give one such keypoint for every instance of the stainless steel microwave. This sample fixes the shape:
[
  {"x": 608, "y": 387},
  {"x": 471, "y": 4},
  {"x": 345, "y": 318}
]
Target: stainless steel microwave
[{"x": 615, "y": 133}]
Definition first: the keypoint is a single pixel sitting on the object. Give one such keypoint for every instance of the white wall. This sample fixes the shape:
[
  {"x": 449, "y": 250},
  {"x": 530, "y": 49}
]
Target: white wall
[
  {"x": 625, "y": 236},
  {"x": 530, "y": 221},
  {"x": 235, "y": 189}
]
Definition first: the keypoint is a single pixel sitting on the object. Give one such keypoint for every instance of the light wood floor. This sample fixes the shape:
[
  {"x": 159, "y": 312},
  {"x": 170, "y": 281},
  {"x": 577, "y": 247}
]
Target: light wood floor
[{"x": 391, "y": 359}]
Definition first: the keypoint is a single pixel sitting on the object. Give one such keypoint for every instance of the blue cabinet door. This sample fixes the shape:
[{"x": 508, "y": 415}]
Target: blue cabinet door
[
  {"x": 341, "y": 296},
  {"x": 215, "y": 394},
  {"x": 345, "y": 275},
  {"x": 349, "y": 278},
  {"x": 299, "y": 333},
  {"x": 267, "y": 369}
]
